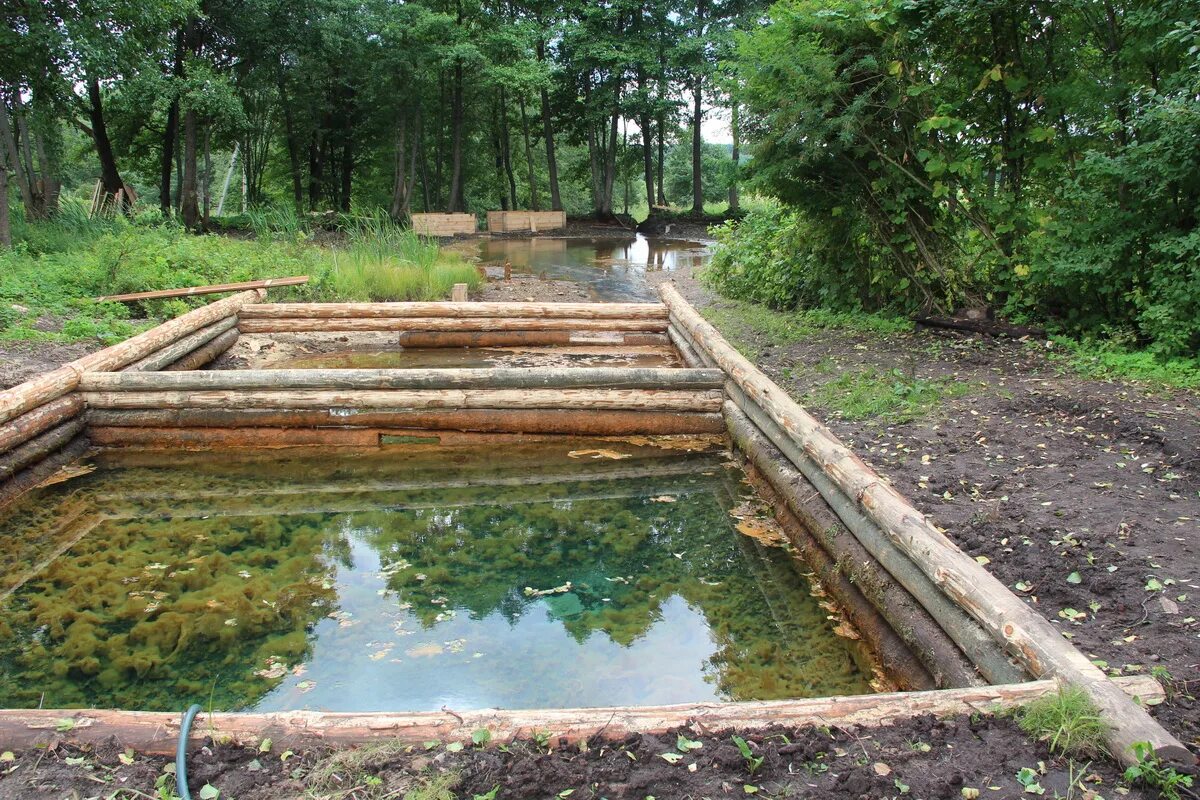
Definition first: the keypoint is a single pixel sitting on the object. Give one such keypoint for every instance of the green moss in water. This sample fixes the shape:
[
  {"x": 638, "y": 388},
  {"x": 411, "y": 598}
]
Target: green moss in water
[{"x": 411, "y": 579}]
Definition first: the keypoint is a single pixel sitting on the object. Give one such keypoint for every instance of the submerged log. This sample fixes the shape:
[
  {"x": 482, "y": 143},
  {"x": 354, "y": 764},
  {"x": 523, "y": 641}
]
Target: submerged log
[
  {"x": 450, "y": 324},
  {"x": 1021, "y": 630},
  {"x": 33, "y": 422},
  {"x": 133, "y": 349},
  {"x": 172, "y": 353},
  {"x": 456, "y": 310},
  {"x": 208, "y": 353},
  {"x": 494, "y": 378},
  {"x": 481, "y": 420},
  {"x": 581, "y": 399},
  {"x": 920, "y": 631},
  {"x": 33, "y": 476},
  {"x": 156, "y": 733},
  {"x": 192, "y": 291},
  {"x": 38, "y": 447},
  {"x": 37, "y": 391}
]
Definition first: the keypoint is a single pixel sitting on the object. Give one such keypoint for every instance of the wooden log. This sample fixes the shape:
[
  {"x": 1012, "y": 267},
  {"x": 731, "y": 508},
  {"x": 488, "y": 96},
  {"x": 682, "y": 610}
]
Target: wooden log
[
  {"x": 458, "y": 294},
  {"x": 1023, "y": 632},
  {"x": 31, "y": 423},
  {"x": 210, "y": 438},
  {"x": 590, "y": 399},
  {"x": 298, "y": 324},
  {"x": 495, "y": 378},
  {"x": 156, "y": 733},
  {"x": 209, "y": 352},
  {"x": 486, "y": 420},
  {"x": 919, "y": 630},
  {"x": 35, "y": 392},
  {"x": 138, "y": 347},
  {"x": 216, "y": 288},
  {"x": 687, "y": 349},
  {"x": 491, "y": 310},
  {"x": 33, "y": 476},
  {"x": 172, "y": 353},
  {"x": 39, "y": 447},
  {"x": 526, "y": 338}
]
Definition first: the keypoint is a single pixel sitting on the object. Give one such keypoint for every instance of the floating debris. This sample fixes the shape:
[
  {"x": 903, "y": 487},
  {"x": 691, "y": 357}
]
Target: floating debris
[
  {"x": 531, "y": 592},
  {"x": 599, "y": 453}
]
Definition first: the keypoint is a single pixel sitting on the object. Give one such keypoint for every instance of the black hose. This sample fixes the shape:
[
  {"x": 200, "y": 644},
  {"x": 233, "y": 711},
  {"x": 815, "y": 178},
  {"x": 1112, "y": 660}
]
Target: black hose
[{"x": 181, "y": 783}]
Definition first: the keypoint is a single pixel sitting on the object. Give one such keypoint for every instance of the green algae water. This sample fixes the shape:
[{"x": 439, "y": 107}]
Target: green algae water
[{"x": 560, "y": 574}]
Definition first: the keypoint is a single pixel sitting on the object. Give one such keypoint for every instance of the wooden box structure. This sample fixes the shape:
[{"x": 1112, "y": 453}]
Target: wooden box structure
[
  {"x": 947, "y": 628},
  {"x": 442, "y": 225},
  {"x": 528, "y": 221}
]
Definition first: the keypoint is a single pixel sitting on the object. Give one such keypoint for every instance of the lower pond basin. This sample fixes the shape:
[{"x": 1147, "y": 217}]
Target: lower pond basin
[{"x": 562, "y": 573}]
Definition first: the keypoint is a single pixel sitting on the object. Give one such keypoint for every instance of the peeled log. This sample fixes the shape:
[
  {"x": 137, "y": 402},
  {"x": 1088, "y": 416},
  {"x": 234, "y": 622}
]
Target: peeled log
[
  {"x": 156, "y": 732},
  {"x": 172, "y": 353},
  {"x": 481, "y": 420},
  {"x": 1022, "y": 631},
  {"x": 33, "y": 476},
  {"x": 33, "y": 422},
  {"x": 209, "y": 352},
  {"x": 452, "y": 324},
  {"x": 495, "y": 378},
  {"x": 456, "y": 310},
  {"x": 33, "y": 393},
  {"x": 38, "y": 448},
  {"x": 581, "y": 399},
  {"x": 526, "y": 338},
  {"x": 138, "y": 347}
]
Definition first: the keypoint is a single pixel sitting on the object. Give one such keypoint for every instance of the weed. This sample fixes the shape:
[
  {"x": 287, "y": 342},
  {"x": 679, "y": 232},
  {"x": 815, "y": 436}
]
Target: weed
[
  {"x": 1067, "y": 720},
  {"x": 1105, "y": 360},
  {"x": 890, "y": 396},
  {"x": 1150, "y": 770},
  {"x": 753, "y": 762}
]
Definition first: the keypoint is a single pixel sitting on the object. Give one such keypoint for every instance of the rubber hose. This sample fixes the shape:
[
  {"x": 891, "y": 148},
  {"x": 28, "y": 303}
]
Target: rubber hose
[{"x": 181, "y": 782}]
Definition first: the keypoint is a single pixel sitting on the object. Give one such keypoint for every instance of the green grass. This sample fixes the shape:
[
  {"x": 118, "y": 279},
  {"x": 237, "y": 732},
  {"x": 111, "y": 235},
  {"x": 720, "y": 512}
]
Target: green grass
[
  {"x": 56, "y": 268},
  {"x": 741, "y": 321},
  {"x": 1068, "y": 721},
  {"x": 891, "y": 397},
  {"x": 1109, "y": 361}
]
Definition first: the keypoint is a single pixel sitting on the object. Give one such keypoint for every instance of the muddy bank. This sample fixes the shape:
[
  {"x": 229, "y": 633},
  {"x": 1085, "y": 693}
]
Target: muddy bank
[{"x": 926, "y": 758}]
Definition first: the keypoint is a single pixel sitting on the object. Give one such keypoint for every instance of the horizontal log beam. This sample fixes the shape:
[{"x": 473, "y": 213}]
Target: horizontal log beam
[
  {"x": 160, "y": 359},
  {"x": 581, "y": 399},
  {"x": 497, "y": 378},
  {"x": 35, "y": 392},
  {"x": 1023, "y": 632},
  {"x": 479, "y": 420},
  {"x": 33, "y": 476},
  {"x": 156, "y": 733},
  {"x": 39, "y": 447},
  {"x": 527, "y": 338},
  {"x": 456, "y": 310},
  {"x": 449, "y": 324},
  {"x": 40, "y": 419},
  {"x": 192, "y": 291}
]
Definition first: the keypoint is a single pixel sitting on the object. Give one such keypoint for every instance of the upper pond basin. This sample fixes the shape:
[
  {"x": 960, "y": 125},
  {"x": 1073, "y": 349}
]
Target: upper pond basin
[{"x": 555, "y": 574}]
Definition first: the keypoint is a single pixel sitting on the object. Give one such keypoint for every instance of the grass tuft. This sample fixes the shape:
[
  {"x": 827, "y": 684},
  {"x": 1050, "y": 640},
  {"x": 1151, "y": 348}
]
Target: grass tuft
[
  {"x": 890, "y": 396},
  {"x": 1068, "y": 721}
]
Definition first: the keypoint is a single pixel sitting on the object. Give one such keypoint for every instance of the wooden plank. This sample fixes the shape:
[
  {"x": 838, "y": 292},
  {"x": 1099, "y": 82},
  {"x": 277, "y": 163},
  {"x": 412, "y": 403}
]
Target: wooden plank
[
  {"x": 598, "y": 399},
  {"x": 480, "y": 420},
  {"x": 484, "y": 378},
  {"x": 495, "y": 310},
  {"x": 192, "y": 291},
  {"x": 31, "y": 423},
  {"x": 1023, "y": 632},
  {"x": 156, "y": 733},
  {"x": 161, "y": 359},
  {"x": 293, "y": 325}
]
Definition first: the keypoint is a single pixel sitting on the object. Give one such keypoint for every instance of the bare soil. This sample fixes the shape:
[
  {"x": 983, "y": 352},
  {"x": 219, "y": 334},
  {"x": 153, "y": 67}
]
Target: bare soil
[
  {"x": 925, "y": 758},
  {"x": 22, "y": 360}
]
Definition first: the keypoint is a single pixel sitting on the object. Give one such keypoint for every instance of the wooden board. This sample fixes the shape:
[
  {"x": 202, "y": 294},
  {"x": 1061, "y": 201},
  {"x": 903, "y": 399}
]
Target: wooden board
[
  {"x": 192, "y": 291},
  {"x": 295, "y": 324},
  {"x": 497, "y": 310}
]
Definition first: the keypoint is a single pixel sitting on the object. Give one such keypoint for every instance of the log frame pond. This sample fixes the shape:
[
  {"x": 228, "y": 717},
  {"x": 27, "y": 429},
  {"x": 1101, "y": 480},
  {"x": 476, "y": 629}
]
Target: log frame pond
[{"x": 797, "y": 462}]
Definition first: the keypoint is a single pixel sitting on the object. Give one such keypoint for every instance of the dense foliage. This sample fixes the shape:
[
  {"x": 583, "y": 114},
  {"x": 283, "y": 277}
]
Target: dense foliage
[{"x": 1038, "y": 158}]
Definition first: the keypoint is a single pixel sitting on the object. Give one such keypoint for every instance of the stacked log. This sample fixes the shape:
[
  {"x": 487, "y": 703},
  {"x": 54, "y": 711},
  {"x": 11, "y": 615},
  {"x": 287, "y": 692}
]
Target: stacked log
[{"x": 855, "y": 489}]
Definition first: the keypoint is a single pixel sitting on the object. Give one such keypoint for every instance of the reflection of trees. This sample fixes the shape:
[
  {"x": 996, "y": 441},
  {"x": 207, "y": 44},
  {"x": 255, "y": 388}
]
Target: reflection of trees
[
  {"x": 157, "y": 614},
  {"x": 625, "y": 555}
]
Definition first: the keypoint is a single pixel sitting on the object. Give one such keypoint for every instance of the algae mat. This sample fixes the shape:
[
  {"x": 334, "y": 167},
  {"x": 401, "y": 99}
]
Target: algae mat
[{"x": 569, "y": 573}]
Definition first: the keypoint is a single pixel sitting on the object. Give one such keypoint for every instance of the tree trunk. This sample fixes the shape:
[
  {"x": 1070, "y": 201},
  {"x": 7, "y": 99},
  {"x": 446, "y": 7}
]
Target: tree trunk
[
  {"x": 734, "y": 201},
  {"x": 206, "y": 183},
  {"x": 534, "y": 203},
  {"x": 228, "y": 176},
  {"x": 10, "y": 155},
  {"x": 315, "y": 170},
  {"x": 347, "y": 169},
  {"x": 5, "y": 225},
  {"x": 293, "y": 146},
  {"x": 610, "y": 166},
  {"x": 170, "y": 132},
  {"x": 506, "y": 145},
  {"x": 662, "y": 151},
  {"x": 456, "y": 202},
  {"x": 697, "y": 149},
  {"x": 189, "y": 205},
  {"x": 548, "y": 134},
  {"x": 110, "y": 177},
  {"x": 498, "y": 159},
  {"x": 399, "y": 209}
]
